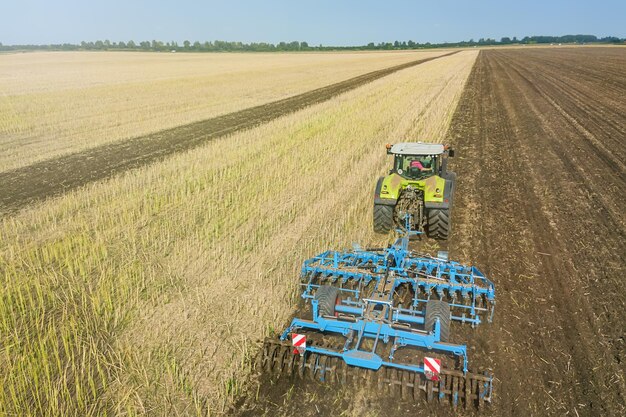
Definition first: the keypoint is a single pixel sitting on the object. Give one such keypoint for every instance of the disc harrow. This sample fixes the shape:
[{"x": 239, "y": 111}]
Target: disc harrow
[{"x": 382, "y": 318}]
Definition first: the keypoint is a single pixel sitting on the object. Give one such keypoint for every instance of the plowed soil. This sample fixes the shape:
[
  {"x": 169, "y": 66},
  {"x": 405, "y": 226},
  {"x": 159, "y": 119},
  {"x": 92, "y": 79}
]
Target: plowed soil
[
  {"x": 540, "y": 207},
  {"x": 24, "y": 186}
]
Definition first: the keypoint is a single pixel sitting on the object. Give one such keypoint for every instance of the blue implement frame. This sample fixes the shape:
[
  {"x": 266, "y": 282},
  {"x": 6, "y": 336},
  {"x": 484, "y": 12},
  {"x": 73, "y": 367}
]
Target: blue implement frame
[{"x": 361, "y": 314}]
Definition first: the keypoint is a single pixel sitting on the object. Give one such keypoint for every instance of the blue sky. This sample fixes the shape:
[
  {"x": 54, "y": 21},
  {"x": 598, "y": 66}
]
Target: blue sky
[{"x": 347, "y": 22}]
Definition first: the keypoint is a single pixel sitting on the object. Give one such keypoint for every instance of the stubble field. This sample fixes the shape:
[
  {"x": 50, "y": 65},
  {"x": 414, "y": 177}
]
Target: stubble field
[
  {"x": 145, "y": 293},
  {"x": 57, "y": 103}
]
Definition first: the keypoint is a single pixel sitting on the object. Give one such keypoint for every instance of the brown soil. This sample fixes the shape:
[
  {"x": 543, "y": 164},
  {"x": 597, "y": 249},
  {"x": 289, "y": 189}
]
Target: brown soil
[
  {"x": 24, "y": 186},
  {"x": 540, "y": 136}
]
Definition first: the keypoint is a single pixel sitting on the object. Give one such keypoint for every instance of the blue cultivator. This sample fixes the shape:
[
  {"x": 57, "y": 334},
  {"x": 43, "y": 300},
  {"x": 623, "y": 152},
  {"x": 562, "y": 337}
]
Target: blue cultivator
[{"x": 383, "y": 316}]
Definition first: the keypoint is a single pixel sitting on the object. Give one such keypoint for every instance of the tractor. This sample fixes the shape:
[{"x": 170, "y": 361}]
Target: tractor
[{"x": 420, "y": 186}]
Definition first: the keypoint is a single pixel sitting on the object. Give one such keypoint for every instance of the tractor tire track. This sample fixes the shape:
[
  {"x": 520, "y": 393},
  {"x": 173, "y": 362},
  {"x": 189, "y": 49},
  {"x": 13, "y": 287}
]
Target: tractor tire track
[{"x": 24, "y": 186}]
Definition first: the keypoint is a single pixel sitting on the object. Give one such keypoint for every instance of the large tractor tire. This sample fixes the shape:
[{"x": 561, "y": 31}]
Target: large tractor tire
[
  {"x": 326, "y": 297},
  {"x": 438, "y": 310},
  {"x": 439, "y": 224},
  {"x": 383, "y": 218}
]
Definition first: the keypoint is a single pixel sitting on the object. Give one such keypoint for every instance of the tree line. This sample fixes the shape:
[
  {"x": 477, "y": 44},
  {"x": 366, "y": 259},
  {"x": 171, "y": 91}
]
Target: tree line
[{"x": 224, "y": 46}]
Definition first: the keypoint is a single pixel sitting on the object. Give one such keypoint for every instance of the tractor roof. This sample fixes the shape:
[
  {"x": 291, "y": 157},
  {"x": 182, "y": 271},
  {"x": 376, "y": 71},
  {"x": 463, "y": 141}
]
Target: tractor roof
[{"x": 417, "y": 148}]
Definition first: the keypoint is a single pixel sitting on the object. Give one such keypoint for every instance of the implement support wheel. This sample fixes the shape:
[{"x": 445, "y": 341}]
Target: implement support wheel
[
  {"x": 437, "y": 309},
  {"x": 326, "y": 297}
]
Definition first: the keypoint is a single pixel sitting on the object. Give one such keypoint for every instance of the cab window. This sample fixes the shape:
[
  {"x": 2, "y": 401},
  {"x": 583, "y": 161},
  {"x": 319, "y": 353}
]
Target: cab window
[{"x": 416, "y": 166}]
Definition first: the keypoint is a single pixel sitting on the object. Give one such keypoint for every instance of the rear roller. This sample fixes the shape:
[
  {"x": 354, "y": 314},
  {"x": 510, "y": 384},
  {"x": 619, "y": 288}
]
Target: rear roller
[{"x": 453, "y": 387}]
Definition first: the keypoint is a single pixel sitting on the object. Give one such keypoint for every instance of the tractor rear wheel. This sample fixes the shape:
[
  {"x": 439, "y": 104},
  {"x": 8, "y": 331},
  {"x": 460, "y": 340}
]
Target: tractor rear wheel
[
  {"x": 326, "y": 297},
  {"x": 439, "y": 224},
  {"x": 438, "y": 310},
  {"x": 383, "y": 218}
]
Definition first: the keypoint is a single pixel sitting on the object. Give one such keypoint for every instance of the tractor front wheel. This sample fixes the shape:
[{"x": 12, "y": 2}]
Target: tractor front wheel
[
  {"x": 383, "y": 218},
  {"x": 439, "y": 224}
]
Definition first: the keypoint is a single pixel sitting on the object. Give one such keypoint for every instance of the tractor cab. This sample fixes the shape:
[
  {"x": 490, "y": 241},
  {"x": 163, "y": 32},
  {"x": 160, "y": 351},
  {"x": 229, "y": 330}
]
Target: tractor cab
[{"x": 417, "y": 160}]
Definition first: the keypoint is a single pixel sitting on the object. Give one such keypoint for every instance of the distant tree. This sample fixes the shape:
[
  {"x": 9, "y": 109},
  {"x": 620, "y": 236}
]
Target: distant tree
[
  {"x": 295, "y": 45},
  {"x": 186, "y": 44},
  {"x": 607, "y": 39}
]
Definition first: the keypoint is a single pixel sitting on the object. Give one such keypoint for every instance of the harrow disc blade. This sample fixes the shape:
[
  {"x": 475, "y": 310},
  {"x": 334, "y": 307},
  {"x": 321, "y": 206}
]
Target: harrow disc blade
[{"x": 453, "y": 387}]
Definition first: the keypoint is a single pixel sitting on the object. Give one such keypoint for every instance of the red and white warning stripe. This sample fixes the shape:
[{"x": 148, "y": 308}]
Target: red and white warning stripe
[
  {"x": 298, "y": 340},
  {"x": 299, "y": 343},
  {"x": 432, "y": 368}
]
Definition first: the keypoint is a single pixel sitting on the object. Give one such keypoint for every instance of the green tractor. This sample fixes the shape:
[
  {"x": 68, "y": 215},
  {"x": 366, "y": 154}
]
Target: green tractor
[{"x": 419, "y": 185}]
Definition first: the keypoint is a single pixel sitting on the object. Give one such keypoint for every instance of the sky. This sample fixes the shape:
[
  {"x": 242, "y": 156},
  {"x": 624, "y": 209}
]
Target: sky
[{"x": 327, "y": 22}]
